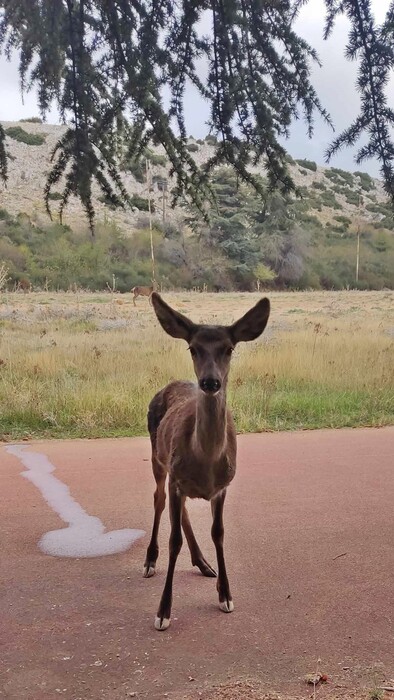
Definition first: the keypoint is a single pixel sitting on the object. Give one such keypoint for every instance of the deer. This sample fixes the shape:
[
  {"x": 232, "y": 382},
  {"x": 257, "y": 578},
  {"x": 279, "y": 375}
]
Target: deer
[
  {"x": 193, "y": 440},
  {"x": 142, "y": 292}
]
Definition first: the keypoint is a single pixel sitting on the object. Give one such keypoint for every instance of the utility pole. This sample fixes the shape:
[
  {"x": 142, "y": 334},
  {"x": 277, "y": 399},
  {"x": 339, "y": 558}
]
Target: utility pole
[
  {"x": 164, "y": 201},
  {"x": 149, "y": 184},
  {"x": 358, "y": 237}
]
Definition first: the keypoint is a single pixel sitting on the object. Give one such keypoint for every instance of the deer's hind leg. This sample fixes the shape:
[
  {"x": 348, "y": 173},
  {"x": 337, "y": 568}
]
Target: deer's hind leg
[
  {"x": 152, "y": 552},
  {"x": 197, "y": 557}
]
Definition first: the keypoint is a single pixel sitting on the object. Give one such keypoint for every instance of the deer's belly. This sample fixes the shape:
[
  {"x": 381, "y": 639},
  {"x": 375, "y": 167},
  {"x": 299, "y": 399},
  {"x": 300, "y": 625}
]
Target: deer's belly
[{"x": 202, "y": 484}]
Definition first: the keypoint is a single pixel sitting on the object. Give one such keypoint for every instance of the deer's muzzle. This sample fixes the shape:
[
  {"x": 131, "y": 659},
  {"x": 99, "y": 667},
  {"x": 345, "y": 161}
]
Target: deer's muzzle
[{"x": 210, "y": 385}]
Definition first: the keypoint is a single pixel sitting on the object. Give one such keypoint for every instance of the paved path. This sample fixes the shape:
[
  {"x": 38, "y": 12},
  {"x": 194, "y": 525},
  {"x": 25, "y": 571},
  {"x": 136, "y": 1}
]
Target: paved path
[{"x": 310, "y": 555}]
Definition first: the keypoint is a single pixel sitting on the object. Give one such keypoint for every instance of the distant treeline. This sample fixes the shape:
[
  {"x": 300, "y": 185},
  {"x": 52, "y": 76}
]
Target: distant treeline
[{"x": 248, "y": 242}]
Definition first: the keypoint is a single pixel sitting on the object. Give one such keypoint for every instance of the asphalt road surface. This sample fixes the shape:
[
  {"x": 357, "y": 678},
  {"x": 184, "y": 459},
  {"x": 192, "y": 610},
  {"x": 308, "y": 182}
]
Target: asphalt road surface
[{"x": 309, "y": 543}]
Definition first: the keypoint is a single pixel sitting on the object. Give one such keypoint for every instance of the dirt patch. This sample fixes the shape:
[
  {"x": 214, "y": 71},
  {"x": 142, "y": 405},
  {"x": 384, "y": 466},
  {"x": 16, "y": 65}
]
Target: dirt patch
[{"x": 253, "y": 690}]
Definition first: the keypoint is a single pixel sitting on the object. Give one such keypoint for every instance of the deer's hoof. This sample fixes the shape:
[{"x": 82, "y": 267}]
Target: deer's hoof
[
  {"x": 162, "y": 623},
  {"x": 226, "y": 605},
  {"x": 149, "y": 570}
]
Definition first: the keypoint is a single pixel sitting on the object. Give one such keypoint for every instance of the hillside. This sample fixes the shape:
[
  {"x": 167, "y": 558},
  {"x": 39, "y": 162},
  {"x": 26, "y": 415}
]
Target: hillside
[
  {"x": 329, "y": 191},
  {"x": 309, "y": 242}
]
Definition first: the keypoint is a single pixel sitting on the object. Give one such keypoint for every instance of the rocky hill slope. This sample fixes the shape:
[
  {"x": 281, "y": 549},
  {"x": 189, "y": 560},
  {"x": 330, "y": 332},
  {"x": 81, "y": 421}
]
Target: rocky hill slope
[{"x": 328, "y": 192}]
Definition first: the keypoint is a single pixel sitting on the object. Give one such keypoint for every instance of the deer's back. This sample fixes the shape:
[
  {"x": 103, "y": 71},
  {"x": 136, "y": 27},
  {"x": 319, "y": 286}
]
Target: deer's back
[{"x": 173, "y": 396}]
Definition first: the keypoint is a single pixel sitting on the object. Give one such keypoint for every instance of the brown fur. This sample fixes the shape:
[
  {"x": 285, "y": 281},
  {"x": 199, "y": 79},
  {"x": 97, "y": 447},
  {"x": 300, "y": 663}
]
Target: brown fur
[
  {"x": 194, "y": 441},
  {"x": 142, "y": 292}
]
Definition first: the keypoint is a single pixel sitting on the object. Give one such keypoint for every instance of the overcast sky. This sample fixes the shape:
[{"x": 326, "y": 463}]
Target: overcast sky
[{"x": 334, "y": 83}]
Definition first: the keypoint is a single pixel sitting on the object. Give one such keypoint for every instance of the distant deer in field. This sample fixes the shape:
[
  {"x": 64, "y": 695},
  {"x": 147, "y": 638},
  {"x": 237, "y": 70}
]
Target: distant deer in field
[
  {"x": 24, "y": 286},
  {"x": 142, "y": 292},
  {"x": 194, "y": 441}
]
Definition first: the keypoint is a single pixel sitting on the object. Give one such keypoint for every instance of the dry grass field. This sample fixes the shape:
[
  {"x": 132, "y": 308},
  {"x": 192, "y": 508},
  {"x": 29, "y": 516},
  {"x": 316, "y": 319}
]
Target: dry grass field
[{"x": 87, "y": 365}]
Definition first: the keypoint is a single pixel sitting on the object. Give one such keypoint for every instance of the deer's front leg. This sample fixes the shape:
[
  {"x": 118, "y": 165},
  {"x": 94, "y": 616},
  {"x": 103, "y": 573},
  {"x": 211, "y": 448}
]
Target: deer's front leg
[
  {"x": 177, "y": 501},
  {"x": 225, "y": 600}
]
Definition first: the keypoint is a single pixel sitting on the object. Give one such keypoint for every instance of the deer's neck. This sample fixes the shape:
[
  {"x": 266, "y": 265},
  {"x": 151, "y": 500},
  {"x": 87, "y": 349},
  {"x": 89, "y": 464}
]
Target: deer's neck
[{"x": 210, "y": 433}]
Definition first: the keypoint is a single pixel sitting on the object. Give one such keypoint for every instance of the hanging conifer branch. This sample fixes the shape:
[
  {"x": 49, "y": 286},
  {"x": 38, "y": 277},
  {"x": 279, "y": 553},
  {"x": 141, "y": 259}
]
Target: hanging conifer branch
[{"x": 374, "y": 46}]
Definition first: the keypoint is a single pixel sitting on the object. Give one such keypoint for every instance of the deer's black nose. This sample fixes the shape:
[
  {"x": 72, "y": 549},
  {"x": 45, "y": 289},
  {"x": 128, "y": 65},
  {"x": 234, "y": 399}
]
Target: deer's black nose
[{"x": 210, "y": 385}]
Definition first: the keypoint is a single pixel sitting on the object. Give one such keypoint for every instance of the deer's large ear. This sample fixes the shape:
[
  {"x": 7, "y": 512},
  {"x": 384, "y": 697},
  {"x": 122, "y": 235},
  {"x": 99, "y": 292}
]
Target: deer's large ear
[
  {"x": 174, "y": 323},
  {"x": 252, "y": 324}
]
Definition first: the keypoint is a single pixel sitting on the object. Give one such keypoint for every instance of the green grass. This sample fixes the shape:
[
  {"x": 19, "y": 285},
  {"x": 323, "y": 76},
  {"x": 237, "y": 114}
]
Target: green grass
[{"x": 63, "y": 378}]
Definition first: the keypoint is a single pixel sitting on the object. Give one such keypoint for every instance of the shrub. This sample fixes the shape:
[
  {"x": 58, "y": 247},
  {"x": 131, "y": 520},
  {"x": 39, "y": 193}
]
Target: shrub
[
  {"x": 319, "y": 185},
  {"x": 348, "y": 177},
  {"x": 137, "y": 169},
  {"x": 31, "y": 120},
  {"x": 366, "y": 181},
  {"x": 55, "y": 195},
  {"x": 333, "y": 176},
  {"x": 141, "y": 203},
  {"x": 192, "y": 147},
  {"x": 200, "y": 141},
  {"x": 343, "y": 220},
  {"x": 308, "y": 164},
  {"x": 352, "y": 197},
  {"x": 329, "y": 200},
  {"x": 375, "y": 208},
  {"x": 19, "y": 134},
  {"x": 155, "y": 158},
  {"x": 303, "y": 172},
  {"x": 4, "y": 215},
  {"x": 211, "y": 140}
]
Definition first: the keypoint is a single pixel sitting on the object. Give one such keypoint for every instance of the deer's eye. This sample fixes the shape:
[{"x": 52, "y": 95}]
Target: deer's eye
[
  {"x": 229, "y": 351},
  {"x": 193, "y": 352}
]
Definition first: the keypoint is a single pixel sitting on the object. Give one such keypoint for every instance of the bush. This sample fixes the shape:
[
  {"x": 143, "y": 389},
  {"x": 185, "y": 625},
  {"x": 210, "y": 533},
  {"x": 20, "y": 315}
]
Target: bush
[
  {"x": 19, "y": 134},
  {"x": 366, "y": 181},
  {"x": 348, "y": 177},
  {"x": 303, "y": 172},
  {"x": 137, "y": 169},
  {"x": 192, "y": 147},
  {"x": 31, "y": 120},
  {"x": 55, "y": 195},
  {"x": 328, "y": 200},
  {"x": 4, "y": 215},
  {"x": 352, "y": 197},
  {"x": 211, "y": 140},
  {"x": 343, "y": 220},
  {"x": 155, "y": 158},
  {"x": 319, "y": 185},
  {"x": 308, "y": 164},
  {"x": 141, "y": 203}
]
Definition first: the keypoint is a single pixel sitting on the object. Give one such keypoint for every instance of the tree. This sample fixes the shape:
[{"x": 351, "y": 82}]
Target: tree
[{"x": 106, "y": 62}]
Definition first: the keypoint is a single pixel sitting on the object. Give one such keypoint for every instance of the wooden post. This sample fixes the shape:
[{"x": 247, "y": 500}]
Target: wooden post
[
  {"x": 149, "y": 183},
  {"x": 358, "y": 238}
]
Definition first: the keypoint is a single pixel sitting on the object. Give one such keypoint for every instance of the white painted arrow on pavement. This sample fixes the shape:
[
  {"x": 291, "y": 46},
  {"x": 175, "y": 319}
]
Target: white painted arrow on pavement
[{"x": 85, "y": 535}]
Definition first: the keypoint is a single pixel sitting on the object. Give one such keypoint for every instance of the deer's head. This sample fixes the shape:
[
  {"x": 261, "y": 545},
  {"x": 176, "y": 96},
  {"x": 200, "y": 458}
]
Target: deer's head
[{"x": 211, "y": 347}]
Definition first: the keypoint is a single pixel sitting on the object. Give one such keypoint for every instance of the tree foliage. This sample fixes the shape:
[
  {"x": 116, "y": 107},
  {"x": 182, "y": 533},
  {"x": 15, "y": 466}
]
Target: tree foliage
[
  {"x": 107, "y": 63},
  {"x": 374, "y": 47}
]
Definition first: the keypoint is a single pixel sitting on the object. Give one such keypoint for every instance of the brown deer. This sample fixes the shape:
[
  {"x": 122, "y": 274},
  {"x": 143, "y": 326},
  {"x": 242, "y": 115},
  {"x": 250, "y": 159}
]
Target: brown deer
[
  {"x": 142, "y": 292},
  {"x": 194, "y": 441}
]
